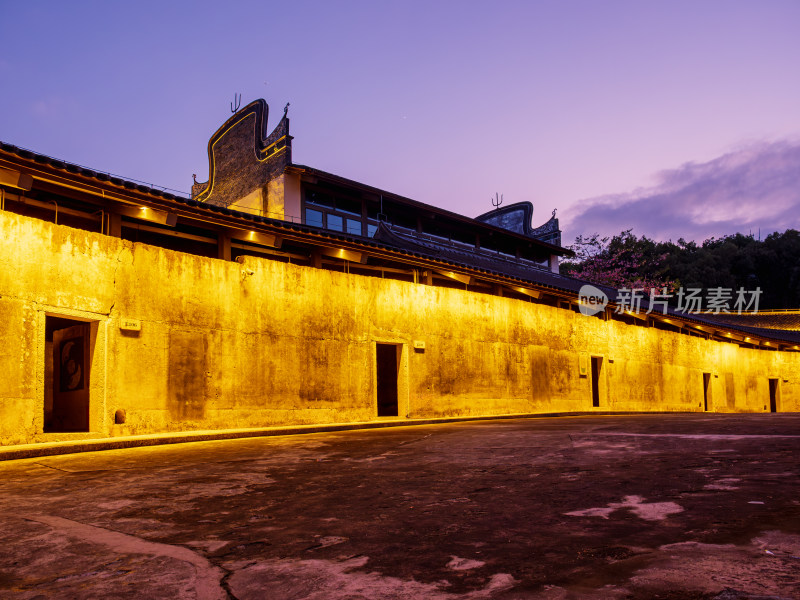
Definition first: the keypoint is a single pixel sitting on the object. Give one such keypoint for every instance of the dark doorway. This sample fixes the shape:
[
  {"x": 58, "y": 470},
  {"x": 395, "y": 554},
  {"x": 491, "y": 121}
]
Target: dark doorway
[
  {"x": 773, "y": 395},
  {"x": 597, "y": 369},
  {"x": 706, "y": 389},
  {"x": 386, "y": 372},
  {"x": 67, "y": 372}
]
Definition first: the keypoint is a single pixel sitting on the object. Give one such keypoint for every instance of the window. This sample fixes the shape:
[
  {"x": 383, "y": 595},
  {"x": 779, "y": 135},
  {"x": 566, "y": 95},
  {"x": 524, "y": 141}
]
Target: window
[
  {"x": 349, "y": 206},
  {"x": 333, "y": 211},
  {"x": 313, "y": 218},
  {"x": 320, "y": 199},
  {"x": 334, "y": 222},
  {"x": 371, "y": 229}
]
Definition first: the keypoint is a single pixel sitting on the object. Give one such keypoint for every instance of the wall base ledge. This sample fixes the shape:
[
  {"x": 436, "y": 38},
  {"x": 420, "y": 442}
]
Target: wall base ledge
[{"x": 36, "y": 450}]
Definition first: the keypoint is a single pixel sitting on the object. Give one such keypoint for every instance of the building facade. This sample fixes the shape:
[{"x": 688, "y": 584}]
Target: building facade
[{"x": 280, "y": 294}]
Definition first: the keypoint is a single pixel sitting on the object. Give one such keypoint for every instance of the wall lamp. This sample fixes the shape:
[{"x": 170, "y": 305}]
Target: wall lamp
[
  {"x": 526, "y": 292},
  {"x": 143, "y": 213},
  {"x": 465, "y": 279},
  {"x": 15, "y": 179},
  {"x": 256, "y": 237},
  {"x": 342, "y": 254}
]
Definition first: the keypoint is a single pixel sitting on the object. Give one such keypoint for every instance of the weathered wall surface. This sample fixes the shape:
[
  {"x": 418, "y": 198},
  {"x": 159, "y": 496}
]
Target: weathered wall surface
[{"x": 225, "y": 345}]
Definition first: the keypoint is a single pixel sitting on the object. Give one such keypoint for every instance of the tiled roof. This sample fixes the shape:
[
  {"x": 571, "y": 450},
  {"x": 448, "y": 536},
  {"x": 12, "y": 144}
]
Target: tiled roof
[
  {"x": 481, "y": 261},
  {"x": 100, "y": 176},
  {"x": 788, "y": 320}
]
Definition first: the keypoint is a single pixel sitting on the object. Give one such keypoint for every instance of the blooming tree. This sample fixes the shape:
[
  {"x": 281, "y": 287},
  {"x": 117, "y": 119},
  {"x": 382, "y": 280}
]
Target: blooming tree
[{"x": 623, "y": 261}]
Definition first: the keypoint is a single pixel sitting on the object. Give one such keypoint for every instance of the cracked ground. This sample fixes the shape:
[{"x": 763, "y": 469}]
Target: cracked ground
[{"x": 647, "y": 506}]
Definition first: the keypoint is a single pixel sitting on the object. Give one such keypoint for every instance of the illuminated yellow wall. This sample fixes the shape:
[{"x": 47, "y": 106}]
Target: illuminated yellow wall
[
  {"x": 283, "y": 198},
  {"x": 226, "y": 345},
  {"x": 252, "y": 203}
]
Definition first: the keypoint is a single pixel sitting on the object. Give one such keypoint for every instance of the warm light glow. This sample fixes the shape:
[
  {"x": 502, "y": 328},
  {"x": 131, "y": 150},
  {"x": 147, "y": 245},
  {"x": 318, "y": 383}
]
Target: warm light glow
[
  {"x": 148, "y": 214},
  {"x": 15, "y": 179},
  {"x": 264, "y": 239},
  {"x": 343, "y": 254},
  {"x": 527, "y": 292},
  {"x": 465, "y": 279}
]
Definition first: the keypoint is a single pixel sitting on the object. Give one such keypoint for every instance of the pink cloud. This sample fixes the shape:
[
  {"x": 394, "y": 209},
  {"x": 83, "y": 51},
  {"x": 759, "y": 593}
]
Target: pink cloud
[{"x": 751, "y": 188}]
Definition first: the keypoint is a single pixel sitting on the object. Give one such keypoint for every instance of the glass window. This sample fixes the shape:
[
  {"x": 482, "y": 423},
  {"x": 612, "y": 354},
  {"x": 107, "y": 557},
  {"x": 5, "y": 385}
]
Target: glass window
[
  {"x": 313, "y": 218},
  {"x": 320, "y": 198},
  {"x": 348, "y": 205},
  {"x": 371, "y": 229},
  {"x": 334, "y": 222},
  {"x": 353, "y": 227}
]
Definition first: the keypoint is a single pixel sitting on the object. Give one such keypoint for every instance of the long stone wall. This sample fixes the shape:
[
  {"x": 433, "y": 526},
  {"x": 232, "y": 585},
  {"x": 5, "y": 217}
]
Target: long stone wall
[{"x": 228, "y": 345}]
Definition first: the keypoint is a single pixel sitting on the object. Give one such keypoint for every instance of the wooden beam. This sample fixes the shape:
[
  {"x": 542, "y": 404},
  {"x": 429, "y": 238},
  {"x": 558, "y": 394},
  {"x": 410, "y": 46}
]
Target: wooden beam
[{"x": 223, "y": 247}]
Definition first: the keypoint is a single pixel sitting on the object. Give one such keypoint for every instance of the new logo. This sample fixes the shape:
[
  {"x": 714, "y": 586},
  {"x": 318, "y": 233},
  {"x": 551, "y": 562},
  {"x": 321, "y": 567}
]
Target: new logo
[{"x": 591, "y": 300}]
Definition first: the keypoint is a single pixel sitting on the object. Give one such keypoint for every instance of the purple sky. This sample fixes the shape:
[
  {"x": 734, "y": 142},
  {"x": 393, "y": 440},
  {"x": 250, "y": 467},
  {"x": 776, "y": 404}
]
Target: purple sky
[{"x": 674, "y": 118}]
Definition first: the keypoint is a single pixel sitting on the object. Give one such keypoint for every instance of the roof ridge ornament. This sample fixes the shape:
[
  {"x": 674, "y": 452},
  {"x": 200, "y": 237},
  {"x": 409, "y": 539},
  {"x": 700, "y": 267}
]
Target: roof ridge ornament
[
  {"x": 518, "y": 217},
  {"x": 497, "y": 200},
  {"x": 242, "y": 156},
  {"x": 238, "y": 101}
]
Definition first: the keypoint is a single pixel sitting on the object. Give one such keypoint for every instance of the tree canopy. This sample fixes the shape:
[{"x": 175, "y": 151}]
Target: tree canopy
[{"x": 731, "y": 262}]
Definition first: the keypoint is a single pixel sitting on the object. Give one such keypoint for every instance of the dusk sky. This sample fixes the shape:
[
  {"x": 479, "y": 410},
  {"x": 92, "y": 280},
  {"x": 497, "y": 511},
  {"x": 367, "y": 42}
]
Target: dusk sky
[{"x": 678, "y": 119}]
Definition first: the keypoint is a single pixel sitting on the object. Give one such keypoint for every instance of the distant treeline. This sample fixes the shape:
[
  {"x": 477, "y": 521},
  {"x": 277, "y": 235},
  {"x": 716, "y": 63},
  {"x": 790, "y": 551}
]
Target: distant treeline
[{"x": 731, "y": 262}]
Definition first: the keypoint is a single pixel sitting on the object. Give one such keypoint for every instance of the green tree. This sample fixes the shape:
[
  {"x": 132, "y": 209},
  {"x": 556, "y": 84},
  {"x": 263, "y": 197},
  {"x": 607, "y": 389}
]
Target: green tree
[{"x": 732, "y": 262}]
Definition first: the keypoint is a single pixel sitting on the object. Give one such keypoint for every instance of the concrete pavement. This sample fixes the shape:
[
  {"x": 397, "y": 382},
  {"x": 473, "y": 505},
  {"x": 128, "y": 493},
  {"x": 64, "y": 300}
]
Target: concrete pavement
[{"x": 647, "y": 506}]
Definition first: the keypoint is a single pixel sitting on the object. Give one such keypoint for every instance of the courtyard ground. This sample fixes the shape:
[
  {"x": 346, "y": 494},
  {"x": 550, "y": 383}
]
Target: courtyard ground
[{"x": 613, "y": 507}]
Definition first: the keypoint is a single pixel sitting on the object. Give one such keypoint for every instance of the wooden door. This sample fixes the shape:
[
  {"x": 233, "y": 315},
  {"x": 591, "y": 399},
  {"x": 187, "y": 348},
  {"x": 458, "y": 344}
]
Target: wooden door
[
  {"x": 386, "y": 366},
  {"x": 71, "y": 366}
]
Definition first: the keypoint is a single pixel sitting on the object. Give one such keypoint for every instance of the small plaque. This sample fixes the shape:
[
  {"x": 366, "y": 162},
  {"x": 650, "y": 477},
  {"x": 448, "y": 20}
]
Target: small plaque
[
  {"x": 419, "y": 345},
  {"x": 130, "y": 324}
]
